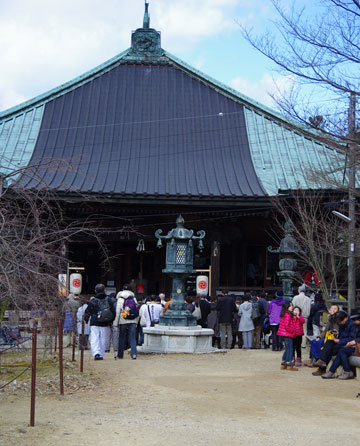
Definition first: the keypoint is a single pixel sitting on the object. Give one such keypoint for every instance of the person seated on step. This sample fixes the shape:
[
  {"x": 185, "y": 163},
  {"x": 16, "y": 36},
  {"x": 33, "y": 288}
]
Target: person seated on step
[
  {"x": 342, "y": 358},
  {"x": 345, "y": 334},
  {"x": 317, "y": 344}
]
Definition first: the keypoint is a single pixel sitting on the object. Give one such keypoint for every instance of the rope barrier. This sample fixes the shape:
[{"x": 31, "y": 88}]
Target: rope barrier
[
  {"x": 12, "y": 365},
  {"x": 16, "y": 377},
  {"x": 15, "y": 345}
]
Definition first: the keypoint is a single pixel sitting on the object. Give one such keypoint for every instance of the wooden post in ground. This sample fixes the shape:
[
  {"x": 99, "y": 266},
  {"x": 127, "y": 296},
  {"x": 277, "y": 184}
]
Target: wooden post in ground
[
  {"x": 61, "y": 369},
  {"x": 82, "y": 346},
  {"x": 33, "y": 374},
  {"x": 74, "y": 342},
  {"x": 56, "y": 333}
]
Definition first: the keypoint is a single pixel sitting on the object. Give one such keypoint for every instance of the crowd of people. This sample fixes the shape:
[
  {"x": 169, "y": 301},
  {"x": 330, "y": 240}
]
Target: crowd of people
[{"x": 250, "y": 321}]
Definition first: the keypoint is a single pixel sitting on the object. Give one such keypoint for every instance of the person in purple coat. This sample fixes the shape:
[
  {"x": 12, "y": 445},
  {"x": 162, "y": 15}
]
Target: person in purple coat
[{"x": 274, "y": 310}]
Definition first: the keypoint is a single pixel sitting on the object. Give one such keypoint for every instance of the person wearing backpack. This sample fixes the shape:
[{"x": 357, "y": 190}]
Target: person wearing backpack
[
  {"x": 127, "y": 317},
  {"x": 101, "y": 312},
  {"x": 257, "y": 318}
]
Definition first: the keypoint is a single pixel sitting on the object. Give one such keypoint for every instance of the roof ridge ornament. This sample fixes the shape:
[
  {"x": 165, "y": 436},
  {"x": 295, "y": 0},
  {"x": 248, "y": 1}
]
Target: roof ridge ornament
[
  {"x": 145, "y": 43},
  {"x": 146, "y": 21}
]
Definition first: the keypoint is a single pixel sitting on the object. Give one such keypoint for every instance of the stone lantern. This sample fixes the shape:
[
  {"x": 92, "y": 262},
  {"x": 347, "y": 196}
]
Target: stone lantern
[
  {"x": 288, "y": 250},
  {"x": 179, "y": 264},
  {"x": 177, "y": 331}
]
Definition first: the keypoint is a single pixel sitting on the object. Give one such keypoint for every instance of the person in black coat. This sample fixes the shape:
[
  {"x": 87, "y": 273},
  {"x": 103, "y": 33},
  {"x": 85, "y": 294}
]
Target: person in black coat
[
  {"x": 205, "y": 309},
  {"x": 259, "y": 314},
  {"x": 226, "y": 308},
  {"x": 316, "y": 310},
  {"x": 98, "y": 327},
  {"x": 213, "y": 323}
]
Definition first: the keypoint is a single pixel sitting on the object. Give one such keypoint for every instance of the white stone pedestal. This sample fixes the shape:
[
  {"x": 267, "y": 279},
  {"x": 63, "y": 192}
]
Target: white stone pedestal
[{"x": 172, "y": 339}]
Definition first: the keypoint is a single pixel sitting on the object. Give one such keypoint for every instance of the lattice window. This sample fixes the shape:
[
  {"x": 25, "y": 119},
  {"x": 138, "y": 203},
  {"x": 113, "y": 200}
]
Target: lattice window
[{"x": 180, "y": 254}]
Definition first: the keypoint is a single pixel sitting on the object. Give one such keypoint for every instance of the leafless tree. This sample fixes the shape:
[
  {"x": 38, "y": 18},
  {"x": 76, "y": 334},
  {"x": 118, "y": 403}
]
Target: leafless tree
[
  {"x": 33, "y": 233},
  {"x": 320, "y": 236},
  {"x": 319, "y": 48}
]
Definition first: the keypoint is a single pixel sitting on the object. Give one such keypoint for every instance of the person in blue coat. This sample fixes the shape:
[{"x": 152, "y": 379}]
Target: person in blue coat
[
  {"x": 349, "y": 335},
  {"x": 346, "y": 333}
]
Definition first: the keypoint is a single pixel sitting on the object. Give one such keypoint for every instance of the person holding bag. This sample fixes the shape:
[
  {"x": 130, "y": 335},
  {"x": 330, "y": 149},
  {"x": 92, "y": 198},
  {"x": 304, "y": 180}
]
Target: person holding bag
[{"x": 154, "y": 311}]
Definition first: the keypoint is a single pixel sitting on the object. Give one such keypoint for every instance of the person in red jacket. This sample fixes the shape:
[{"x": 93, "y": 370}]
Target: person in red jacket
[
  {"x": 287, "y": 332},
  {"x": 299, "y": 321}
]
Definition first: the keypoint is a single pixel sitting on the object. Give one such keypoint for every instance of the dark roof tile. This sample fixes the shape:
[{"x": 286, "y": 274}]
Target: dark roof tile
[{"x": 145, "y": 129}]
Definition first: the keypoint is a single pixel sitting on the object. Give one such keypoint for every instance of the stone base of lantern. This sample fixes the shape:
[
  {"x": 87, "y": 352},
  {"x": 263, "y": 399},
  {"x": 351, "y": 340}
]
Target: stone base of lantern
[{"x": 175, "y": 339}]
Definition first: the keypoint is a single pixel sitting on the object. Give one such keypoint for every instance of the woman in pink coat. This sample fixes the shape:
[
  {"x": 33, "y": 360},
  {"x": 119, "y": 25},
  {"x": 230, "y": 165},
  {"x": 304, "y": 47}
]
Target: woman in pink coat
[
  {"x": 287, "y": 332},
  {"x": 299, "y": 321}
]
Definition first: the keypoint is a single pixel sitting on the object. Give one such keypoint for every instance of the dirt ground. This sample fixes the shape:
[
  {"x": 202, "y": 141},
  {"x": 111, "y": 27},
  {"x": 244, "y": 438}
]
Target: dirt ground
[{"x": 237, "y": 398}]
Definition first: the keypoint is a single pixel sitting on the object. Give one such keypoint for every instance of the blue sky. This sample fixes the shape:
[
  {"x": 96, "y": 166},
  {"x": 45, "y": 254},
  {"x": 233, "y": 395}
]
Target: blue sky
[{"x": 46, "y": 42}]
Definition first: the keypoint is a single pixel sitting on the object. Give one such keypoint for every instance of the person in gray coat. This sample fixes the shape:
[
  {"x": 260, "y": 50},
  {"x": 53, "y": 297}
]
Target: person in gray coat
[{"x": 246, "y": 325}]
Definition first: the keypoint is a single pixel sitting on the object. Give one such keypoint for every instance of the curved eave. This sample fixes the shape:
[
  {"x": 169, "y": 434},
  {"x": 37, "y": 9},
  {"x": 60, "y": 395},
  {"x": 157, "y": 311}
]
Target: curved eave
[{"x": 250, "y": 103}]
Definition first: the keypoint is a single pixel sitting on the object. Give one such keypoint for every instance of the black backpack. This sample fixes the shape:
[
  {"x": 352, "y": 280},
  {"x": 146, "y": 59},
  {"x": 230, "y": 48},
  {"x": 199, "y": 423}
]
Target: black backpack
[{"x": 104, "y": 313}]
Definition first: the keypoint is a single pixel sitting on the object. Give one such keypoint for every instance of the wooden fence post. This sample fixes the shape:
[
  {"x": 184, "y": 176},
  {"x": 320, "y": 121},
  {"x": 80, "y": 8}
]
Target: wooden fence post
[
  {"x": 61, "y": 369},
  {"x": 33, "y": 374}
]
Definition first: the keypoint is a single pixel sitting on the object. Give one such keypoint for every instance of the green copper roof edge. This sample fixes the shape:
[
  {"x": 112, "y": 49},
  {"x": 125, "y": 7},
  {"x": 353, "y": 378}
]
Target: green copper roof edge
[
  {"x": 66, "y": 87},
  {"x": 252, "y": 103}
]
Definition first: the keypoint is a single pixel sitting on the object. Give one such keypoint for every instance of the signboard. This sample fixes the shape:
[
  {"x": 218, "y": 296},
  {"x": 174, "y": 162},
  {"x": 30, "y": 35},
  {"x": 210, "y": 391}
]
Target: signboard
[{"x": 62, "y": 285}]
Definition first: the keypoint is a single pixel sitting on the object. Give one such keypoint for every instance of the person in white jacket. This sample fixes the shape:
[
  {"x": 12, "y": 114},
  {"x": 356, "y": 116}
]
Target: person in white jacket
[
  {"x": 302, "y": 301},
  {"x": 79, "y": 317},
  {"x": 126, "y": 327},
  {"x": 142, "y": 322},
  {"x": 154, "y": 311}
]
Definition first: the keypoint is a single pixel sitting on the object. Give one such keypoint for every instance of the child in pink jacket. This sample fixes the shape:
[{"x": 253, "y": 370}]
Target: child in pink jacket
[
  {"x": 299, "y": 321},
  {"x": 287, "y": 332}
]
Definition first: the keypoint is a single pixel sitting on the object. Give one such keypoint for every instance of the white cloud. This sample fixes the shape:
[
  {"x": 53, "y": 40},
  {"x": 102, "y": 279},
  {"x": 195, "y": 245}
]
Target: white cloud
[
  {"x": 263, "y": 89},
  {"x": 46, "y": 42},
  {"x": 188, "y": 20}
]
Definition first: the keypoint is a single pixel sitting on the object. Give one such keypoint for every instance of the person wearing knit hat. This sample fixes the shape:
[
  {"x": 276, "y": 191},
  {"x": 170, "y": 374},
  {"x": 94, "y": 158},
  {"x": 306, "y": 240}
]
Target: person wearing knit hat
[{"x": 302, "y": 301}]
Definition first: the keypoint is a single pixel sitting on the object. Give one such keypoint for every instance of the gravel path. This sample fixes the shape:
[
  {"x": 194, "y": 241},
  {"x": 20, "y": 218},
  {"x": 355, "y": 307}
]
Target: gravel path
[{"x": 237, "y": 398}]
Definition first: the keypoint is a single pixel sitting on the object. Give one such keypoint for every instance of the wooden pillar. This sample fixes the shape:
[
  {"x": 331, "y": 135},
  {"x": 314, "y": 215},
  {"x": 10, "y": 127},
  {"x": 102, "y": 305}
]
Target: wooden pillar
[{"x": 215, "y": 267}]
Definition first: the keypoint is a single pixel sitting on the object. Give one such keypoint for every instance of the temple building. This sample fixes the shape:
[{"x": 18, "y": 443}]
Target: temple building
[{"x": 145, "y": 137}]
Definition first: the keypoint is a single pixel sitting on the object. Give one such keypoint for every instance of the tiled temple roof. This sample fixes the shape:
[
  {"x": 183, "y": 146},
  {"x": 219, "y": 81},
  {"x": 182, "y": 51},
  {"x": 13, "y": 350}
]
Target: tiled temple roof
[{"x": 146, "y": 124}]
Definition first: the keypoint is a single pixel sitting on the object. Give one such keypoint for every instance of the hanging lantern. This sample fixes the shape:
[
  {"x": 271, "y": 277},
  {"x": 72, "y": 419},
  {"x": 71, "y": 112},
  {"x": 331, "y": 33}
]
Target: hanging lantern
[
  {"x": 75, "y": 283},
  {"x": 202, "y": 285}
]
